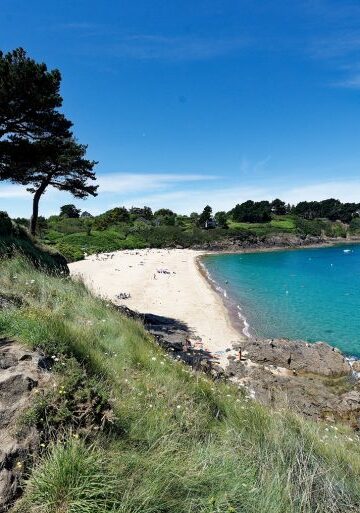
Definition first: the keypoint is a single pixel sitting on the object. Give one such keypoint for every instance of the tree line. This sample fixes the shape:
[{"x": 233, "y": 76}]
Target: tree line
[{"x": 246, "y": 212}]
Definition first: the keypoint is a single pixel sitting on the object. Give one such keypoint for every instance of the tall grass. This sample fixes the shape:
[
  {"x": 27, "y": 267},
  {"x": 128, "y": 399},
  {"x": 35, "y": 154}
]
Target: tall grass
[{"x": 178, "y": 442}]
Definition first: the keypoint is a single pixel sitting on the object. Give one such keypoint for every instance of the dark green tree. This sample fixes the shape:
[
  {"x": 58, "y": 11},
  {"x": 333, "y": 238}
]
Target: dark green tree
[
  {"x": 278, "y": 207},
  {"x": 205, "y": 216},
  {"x": 37, "y": 148},
  {"x": 57, "y": 163},
  {"x": 165, "y": 216},
  {"x": 70, "y": 211},
  {"x": 252, "y": 212},
  {"x": 145, "y": 213},
  {"x": 221, "y": 219},
  {"x": 30, "y": 99}
]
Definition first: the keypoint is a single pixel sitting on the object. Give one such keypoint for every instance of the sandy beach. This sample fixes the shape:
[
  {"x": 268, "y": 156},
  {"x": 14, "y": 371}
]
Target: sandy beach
[{"x": 163, "y": 282}]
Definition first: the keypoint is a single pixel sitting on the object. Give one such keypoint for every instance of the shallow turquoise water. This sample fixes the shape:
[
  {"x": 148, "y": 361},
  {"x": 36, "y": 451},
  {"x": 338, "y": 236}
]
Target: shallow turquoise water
[{"x": 308, "y": 294}]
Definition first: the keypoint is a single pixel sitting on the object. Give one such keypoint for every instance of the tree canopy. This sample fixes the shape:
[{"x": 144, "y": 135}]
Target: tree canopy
[
  {"x": 252, "y": 212},
  {"x": 205, "y": 216},
  {"x": 37, "y": 148},
  {"x": 30, "y": 99},
  {"x": 70, "y": 211}
]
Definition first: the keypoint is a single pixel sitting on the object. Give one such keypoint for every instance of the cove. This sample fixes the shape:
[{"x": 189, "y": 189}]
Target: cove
[{"x": 309, "y": 294}]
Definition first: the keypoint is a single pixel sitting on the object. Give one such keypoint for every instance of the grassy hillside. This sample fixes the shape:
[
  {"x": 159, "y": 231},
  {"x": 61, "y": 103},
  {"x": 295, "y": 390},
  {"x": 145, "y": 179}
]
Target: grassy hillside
[
  {"x": 15, "y": 239},
  {"x": 174, "y": 441}
]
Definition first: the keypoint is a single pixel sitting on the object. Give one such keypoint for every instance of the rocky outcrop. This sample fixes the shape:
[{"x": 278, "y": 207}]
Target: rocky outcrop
[
  {"x": 315, "y": 380},
  {"x": 298, "y": 356},
  {"x": 20, "y": 378},
  {"x": 250, "y": 241}
]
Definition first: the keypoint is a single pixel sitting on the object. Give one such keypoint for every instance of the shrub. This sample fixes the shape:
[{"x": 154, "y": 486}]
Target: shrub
[
  {"x": 6, "y": 227},
  {"x": 355, "y": 226}
]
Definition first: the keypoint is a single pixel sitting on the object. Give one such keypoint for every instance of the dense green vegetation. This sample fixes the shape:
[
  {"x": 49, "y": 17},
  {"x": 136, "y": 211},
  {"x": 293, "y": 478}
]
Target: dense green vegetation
[
  {"x": 73, "y": 234},
  {"x": 174, "y": 440}
]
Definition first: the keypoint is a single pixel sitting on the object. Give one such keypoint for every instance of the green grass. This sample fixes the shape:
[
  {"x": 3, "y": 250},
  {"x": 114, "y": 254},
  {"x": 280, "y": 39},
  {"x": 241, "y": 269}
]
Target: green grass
[
  {"x": 280, "y": 224},
  {"x": 177, "y": 442}
]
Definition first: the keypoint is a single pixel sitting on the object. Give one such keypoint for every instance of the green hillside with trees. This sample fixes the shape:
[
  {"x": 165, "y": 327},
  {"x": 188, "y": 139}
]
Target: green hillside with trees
[{"x": 74, "y": 233}]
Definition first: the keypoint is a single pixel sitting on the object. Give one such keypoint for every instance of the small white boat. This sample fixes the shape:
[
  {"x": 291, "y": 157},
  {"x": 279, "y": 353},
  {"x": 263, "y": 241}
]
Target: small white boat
[{"x": 347, "y": 250}]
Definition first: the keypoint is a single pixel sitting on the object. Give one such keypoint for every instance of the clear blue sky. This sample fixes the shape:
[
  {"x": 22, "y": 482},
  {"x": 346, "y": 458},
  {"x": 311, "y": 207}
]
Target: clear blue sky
[{"x": 192, "y": 102}]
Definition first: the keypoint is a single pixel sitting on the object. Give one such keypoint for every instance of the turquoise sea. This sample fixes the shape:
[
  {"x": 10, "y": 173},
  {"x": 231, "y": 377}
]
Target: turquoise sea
[{"x": 308, "y": 294}]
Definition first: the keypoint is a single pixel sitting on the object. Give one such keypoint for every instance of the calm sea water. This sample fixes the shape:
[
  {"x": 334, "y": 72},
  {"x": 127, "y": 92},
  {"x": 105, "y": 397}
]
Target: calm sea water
[{"x": 308, "y": 294}]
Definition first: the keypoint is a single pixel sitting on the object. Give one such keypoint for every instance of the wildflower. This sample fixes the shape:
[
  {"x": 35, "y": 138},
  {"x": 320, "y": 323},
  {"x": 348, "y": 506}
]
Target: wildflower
[
  {"x": 42, "y": 445},
  {"x": 162, "y": 363},
  {"x": 153, "y": 358},
  {"x": 178, "y": 406}
]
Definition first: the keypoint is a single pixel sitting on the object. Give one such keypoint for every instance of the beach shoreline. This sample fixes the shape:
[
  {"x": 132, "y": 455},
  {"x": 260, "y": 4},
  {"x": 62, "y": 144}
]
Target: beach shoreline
[
  {"x": 188, "y": 294},
  {"x": 168, "y": 283}
]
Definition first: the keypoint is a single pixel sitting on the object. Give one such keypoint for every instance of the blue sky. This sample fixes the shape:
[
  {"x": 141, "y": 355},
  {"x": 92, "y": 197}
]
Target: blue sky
[{"x": 186, "y": 103}]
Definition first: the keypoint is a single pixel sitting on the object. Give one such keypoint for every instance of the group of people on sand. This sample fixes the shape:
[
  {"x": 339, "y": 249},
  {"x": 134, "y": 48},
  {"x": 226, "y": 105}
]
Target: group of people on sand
[{"x": 123, "y": 295}]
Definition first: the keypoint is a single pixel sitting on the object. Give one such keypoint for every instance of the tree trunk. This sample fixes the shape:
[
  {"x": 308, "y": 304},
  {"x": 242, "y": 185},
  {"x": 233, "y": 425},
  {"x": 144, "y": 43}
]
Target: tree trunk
[{"x": 35, "y": 212}]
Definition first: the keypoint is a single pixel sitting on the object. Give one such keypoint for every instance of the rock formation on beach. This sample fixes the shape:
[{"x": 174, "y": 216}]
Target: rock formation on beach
[{"x": 316, "y": 380}]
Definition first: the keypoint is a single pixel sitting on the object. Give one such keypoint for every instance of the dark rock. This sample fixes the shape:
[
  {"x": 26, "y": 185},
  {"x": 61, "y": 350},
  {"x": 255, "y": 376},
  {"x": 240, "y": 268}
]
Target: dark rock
[
  {"x": 45, "y": 363},
  {"x": 9, "y": 300},
  {"x": 19, "y": 375}
]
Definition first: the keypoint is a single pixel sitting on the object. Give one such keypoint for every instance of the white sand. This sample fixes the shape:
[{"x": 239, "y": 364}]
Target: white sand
[{"x": 184, "y": 294}]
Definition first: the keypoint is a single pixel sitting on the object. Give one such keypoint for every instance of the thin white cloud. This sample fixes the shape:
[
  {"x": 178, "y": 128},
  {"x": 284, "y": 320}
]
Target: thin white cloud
[
  {"x": 12, "y": 191},
  {"x": 180, "y": 198},
  {"x": 226, "y": 198},
  {"x": 123, "y": 183},
  {"x": 352, "y": 82}
]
